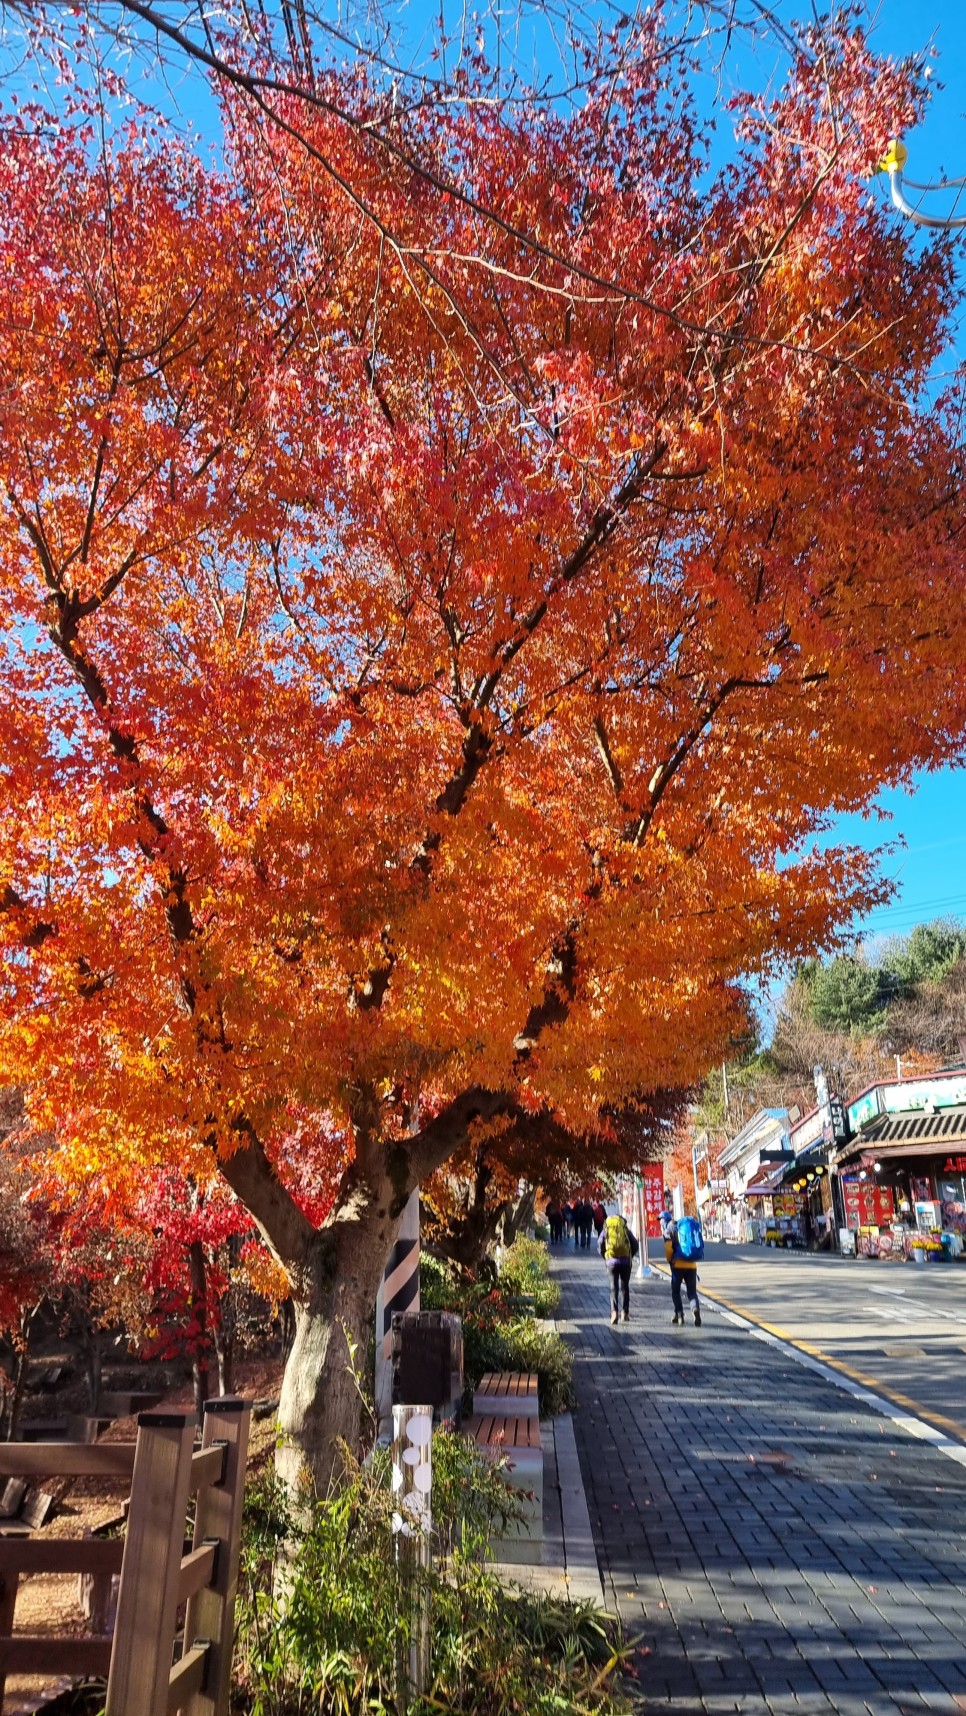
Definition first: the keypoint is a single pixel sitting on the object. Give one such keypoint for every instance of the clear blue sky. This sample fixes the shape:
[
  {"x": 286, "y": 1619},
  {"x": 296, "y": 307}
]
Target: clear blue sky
[{"x": 931, "y": 871}]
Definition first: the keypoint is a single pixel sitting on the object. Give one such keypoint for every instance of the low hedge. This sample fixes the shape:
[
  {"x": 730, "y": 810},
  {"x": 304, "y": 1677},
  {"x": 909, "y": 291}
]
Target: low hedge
[
  {"x": 525, "y": 1269},
  {"x": 330, "y": 1645},
  {"x": 494, "y": 1338}
]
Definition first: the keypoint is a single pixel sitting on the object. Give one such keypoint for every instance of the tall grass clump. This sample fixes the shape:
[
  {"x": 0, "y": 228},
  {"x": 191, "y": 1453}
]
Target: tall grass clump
[
  {"x": 320, "y": 1605},
  {"x": 525, "y": 1269}
]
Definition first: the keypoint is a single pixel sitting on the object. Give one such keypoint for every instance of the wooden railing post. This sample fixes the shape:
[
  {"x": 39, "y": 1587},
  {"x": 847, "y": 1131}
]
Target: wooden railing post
[
  {"x": 218, "y": 1516},
  {"x": 147, "y": 1603},
  {"x": 156, "y": 1577},
  {"x": 9, "y": 1580}
]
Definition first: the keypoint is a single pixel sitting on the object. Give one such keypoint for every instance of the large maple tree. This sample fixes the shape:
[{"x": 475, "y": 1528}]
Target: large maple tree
[{"x": 453, "y": 557}]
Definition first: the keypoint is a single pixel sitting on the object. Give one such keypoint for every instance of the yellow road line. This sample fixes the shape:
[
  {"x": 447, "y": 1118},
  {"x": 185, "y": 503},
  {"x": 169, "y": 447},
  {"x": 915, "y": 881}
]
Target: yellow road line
[{"x": 936, "y": 1419}]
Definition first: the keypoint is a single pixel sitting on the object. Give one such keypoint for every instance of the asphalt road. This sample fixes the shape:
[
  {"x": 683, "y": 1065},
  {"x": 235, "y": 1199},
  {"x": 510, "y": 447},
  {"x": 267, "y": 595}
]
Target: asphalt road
[
  {"x": 772, "y": 1545},
  {"x": 900, "y": 1328}
]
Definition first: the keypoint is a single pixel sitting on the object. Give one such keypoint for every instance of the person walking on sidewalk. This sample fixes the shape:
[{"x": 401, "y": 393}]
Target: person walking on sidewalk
[
  {"x": 617, "y": 1246},
  {"x": 684, "y": 1248}
]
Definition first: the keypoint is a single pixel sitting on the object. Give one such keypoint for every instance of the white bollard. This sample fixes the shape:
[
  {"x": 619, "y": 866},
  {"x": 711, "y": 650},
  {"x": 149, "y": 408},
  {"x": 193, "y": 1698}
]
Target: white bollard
[
  {"x": 412, "y": 1486},
  {"x": 644, "y": 1270}
]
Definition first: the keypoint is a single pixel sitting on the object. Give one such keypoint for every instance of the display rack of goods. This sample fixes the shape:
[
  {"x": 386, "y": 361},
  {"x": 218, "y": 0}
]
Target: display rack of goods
[{"x": 929, "y": 1245}]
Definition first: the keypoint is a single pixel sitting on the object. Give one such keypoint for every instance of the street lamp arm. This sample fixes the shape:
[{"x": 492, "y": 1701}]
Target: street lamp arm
[{"x": 893, "y": 163}]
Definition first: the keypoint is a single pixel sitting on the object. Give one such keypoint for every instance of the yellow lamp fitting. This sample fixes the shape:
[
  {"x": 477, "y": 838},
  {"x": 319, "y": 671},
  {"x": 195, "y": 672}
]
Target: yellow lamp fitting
[{"x": 895, "y": 157}]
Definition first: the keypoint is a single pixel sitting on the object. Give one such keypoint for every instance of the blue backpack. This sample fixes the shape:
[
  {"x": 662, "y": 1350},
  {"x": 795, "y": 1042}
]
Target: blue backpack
[{"x": 690, "y": 1239}]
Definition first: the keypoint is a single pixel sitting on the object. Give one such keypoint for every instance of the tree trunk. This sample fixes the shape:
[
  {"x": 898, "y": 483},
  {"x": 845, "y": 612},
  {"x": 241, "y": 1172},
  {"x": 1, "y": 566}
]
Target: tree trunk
[
  {"x": 18, "y": 1382},
  {"x": 93, "y": 1369},
  {"x": 199, "y": 1315},
  {"x": 519, "y": 1216},
  {"x": 466, "y": 1243},
  {"x": 335, "y": 1271},
  {"x": 225, "y": 1354},
  {"x": 321, "y": 1402},
  {"x": 89, "y": 1339},
  {"x": 224, "y": 1322},
  {"x": 286, "y": 1324}
]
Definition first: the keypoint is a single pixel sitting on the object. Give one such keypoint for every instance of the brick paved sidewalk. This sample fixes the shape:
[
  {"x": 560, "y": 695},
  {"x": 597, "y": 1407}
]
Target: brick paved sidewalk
[{"x": 775, "y": 1546}]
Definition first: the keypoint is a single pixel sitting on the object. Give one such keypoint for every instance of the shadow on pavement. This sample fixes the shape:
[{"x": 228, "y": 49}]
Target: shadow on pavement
[{"x": 773, "y": 1545}]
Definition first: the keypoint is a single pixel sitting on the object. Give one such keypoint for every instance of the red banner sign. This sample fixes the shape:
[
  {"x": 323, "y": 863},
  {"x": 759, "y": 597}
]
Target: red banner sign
[{"x": 652, "y": 1174}]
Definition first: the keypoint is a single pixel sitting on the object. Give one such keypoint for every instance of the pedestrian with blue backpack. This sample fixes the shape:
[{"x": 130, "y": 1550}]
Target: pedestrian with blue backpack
[{"x": 684, "y": 1248}]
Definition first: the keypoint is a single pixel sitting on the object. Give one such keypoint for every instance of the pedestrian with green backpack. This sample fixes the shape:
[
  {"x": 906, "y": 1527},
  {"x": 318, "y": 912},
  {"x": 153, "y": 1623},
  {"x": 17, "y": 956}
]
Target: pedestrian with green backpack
[{"x": 618, "y": 1246}]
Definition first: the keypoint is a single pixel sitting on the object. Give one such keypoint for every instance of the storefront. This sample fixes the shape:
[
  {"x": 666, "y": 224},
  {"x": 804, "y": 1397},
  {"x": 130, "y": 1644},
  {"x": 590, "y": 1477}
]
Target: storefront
[
  {"x": 807, "y": 1177},
  {"x": 870, "y": 1213},
  {"x": 904, "y": 1174},
  {"x": 951, "y": 1191},
  {"x": 769, "y": 1210},
  {"x": 747, "y": 1166}
]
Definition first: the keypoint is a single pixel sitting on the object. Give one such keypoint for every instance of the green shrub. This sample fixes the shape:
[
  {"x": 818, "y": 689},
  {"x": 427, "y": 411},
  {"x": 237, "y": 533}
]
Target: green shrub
[
  {"x": 525, "y": 1269},
  {"x": 442, "y": 1289},
  {"x": 437, "y": 1284},
  {"x": 518, "y": 1343},
  {"x": 494, "y": 1338},
  {"x": 331, "y": 1647}
]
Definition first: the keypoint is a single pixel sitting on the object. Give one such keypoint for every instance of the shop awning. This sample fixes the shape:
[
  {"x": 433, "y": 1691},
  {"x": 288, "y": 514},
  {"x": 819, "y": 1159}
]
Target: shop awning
[
  {"x": 917, "y": 1134},
  {"x": 893, "y": 1152},
  {"x": 908, "y": 1136},
  {"x": 765, "y": 1184}
]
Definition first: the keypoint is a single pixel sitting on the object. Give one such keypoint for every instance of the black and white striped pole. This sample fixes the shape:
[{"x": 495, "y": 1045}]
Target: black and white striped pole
[{"x": 399, "y": 1292}]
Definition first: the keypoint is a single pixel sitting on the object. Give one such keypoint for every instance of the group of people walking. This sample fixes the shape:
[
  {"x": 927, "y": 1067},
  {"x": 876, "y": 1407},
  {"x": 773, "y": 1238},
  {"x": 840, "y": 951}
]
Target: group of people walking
[
  {"x": 575, "y": 1221},
  {"x": 618, "y": 1246},
  {"x": 683, "y": 1248}
]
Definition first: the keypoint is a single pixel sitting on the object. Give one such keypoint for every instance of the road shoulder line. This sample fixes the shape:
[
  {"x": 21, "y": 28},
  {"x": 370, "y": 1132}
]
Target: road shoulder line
[{"x": 907, "y": 1414}]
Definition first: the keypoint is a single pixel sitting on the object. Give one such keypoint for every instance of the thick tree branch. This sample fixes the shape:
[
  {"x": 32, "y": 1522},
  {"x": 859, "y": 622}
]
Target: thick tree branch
[
  {"x": 286, "y": 1230},
  {"x": 609, "y": 760},
  {"x": 444, "y": 1134}
]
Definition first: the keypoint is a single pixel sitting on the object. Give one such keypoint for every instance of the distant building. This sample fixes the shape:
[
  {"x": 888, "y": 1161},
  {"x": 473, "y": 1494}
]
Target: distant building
[{"x": 750, "y": 1163}]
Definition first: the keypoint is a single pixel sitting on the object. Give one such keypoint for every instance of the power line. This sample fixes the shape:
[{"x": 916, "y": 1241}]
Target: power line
[{"x": 921, "y": 911}]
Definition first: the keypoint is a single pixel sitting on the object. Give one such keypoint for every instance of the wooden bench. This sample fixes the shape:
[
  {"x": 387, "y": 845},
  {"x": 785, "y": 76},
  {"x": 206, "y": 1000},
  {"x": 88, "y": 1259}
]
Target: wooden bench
[
  {"x": 509, "y": 1392},
  {"x": 506, "y": 1434},
  {"x": 505, "y": 1424}
]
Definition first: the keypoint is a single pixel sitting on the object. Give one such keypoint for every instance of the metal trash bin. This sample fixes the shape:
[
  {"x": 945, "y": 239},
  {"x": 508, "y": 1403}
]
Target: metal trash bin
[{"x": 427, "y": 1362}]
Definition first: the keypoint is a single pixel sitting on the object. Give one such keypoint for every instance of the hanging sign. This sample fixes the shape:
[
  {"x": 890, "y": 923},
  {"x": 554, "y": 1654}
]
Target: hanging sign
[{"x": 652, "y": 1175}]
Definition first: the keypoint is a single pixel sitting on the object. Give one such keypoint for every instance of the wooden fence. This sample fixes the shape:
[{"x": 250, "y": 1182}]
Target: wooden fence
[{"x": 158, "y": 1579}]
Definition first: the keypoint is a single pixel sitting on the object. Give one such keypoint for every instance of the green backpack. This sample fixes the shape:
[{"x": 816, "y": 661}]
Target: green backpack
[{"x": 617, "y": 1242}]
